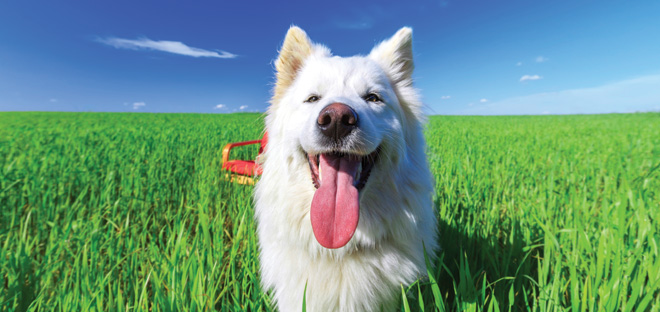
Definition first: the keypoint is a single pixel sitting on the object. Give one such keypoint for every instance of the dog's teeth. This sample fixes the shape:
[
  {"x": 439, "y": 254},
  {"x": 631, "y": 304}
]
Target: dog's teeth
[{"x": 320, "y": 175}]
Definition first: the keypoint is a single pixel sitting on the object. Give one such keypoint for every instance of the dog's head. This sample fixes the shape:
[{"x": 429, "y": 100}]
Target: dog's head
[{"x": 345, "y": 117}]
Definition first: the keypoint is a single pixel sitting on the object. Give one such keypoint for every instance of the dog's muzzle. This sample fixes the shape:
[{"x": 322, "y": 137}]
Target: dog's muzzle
[{"x": 338, "y": 178}]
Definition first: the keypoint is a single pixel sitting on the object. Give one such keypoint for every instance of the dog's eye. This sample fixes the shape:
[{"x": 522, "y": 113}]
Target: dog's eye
[
  {"x": 372, "y": 97},
  {"x": 312, "y": 98}
]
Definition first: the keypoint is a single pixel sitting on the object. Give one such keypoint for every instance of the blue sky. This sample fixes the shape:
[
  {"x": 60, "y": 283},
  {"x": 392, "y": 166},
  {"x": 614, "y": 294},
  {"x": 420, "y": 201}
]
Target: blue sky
[{"x": 472, "y": 57}]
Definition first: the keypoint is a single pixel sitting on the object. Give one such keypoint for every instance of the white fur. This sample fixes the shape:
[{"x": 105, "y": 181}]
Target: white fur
[{"x": 396, "y": 217}]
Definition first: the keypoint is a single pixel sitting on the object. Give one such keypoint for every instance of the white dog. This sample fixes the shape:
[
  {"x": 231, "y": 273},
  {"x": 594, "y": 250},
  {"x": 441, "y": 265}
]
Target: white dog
[{"x": 344, "y": 205}]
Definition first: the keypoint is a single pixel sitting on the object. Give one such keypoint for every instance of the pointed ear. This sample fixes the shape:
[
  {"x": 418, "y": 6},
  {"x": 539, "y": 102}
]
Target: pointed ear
[
  {"x": 296, "y": 48},
  {"x": 395, "y": 56}
]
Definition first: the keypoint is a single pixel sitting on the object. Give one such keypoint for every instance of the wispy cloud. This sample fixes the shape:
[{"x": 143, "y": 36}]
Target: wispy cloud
[
  {"x": 174, "y": 47},
  {"x": 541, "y": 59},
  {"x": 356, "y": 19},
  {"x": 632, "y": 95},
  {"x": 365, "y": 23},
  {"x": 220, "y": 106},
  {"x": 519, "y": 64},
  {"x": 53, "y": 100},
  {"x": 138, "y": 105},
  {"x": 445, "y": 97},
  {"x": 243, "y": 107},
  {"x": 483, "y": 101},
  {"x": 530, "y": 77}
]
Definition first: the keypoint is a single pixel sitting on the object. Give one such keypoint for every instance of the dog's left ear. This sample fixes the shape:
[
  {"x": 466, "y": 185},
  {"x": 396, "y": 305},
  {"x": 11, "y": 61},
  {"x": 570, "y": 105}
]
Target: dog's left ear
[
  {"x": 395, "y": 56},
  {"x": 295, "y": 49}
]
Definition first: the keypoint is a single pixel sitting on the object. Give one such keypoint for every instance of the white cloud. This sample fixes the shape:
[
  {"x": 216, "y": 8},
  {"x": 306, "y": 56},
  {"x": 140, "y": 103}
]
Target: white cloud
[
  {"x": 445, "y": 97},
  {"x": 483, "y": 101},
  {"x": 633, "y": 95},
  {"x": 243, "y": 107},
  {"x": 541, "y": 59},
  {"x": 530, "y": 77},
  {"x": 137, "y": 105},
  {"x": 175, "y": 47},
  {"x": 220, "y": 106},
  {"x": 519, "y": 64},
  {"x": 53, "y": 100}
]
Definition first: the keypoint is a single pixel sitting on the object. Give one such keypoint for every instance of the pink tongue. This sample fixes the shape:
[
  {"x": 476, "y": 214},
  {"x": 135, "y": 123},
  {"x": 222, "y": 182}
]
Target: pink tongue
[{"x": 335, "y": 206}]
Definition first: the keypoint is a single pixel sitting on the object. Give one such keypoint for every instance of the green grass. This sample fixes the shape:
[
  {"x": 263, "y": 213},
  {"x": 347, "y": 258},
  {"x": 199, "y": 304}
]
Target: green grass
[{"x": 131, "y": 212}]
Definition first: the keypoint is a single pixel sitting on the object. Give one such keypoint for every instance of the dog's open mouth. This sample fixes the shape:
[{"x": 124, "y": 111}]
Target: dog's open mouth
[
  {"x": 335, "y": 211},
  {"x": 361, "y": 174}
]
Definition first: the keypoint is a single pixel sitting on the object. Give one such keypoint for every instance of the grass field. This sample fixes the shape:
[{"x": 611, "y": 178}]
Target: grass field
[{"x": 116, "y": 212}]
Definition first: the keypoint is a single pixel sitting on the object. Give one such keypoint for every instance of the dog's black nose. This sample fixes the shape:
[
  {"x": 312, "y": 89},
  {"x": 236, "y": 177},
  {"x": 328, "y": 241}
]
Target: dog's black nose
[{"x": 337, "y": 120}]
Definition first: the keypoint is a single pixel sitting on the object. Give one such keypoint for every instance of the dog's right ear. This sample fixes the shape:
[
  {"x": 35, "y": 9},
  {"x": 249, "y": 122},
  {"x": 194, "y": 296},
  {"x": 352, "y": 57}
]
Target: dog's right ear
[
  {"x": 396, "y": 57},
  {"x": 296, "y": 48}
]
